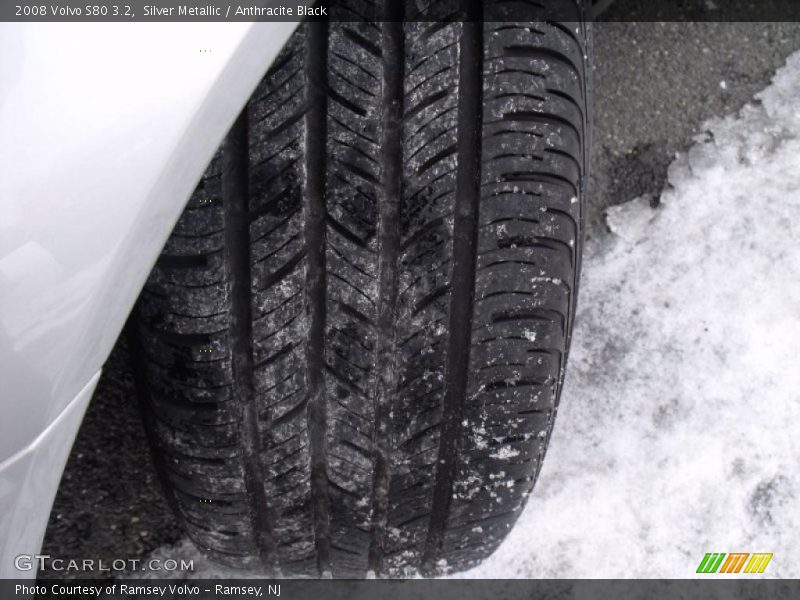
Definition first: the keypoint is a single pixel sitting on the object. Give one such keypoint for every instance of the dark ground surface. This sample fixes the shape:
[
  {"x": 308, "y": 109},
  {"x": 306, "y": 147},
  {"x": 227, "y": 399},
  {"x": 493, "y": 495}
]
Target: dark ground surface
[{"x": 655, "y": 83}]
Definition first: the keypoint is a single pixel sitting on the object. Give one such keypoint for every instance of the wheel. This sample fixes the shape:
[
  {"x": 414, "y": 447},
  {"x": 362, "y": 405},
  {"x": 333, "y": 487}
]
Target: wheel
[{"x": 354, "y": 341}]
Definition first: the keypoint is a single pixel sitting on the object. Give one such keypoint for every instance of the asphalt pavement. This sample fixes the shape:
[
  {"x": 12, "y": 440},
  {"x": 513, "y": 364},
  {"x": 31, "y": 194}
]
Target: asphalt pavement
[{"x": 654, "y": 86}]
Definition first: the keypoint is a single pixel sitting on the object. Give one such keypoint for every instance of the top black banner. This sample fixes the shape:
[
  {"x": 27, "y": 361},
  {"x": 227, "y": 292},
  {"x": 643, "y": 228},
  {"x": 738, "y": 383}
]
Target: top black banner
[{"x": 152, "y": 11}]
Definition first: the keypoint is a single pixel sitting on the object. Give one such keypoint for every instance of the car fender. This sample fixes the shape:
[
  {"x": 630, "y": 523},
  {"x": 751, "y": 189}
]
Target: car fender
[{"x": 105, "y": 129}]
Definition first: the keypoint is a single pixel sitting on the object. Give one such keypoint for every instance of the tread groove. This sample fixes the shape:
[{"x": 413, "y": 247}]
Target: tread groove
[
  {"x": 470, "y": 119},
  {"x": 236, "y": 203},
  {"x": 315, "y": 214}
]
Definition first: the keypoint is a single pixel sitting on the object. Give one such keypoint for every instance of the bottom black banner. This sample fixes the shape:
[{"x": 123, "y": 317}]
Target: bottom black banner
[{"x": 414, "y": 589}]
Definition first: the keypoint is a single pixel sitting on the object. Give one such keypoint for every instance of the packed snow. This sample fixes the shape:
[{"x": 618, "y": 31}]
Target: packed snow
[{"x": 679, "y": 428}]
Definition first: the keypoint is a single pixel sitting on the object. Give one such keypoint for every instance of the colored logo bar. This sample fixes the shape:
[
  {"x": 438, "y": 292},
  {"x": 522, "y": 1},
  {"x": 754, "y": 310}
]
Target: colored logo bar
[{"x": 720, "y": 562}]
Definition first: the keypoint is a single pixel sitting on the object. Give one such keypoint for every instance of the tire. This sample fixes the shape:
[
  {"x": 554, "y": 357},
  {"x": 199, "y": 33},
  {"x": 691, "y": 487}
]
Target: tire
[{"x": 353, "y": 344}]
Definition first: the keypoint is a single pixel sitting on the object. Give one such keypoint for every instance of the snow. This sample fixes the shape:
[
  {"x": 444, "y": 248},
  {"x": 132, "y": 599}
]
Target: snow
[
  {"x": 631, "y": 221},
  {"x": 678, "y": 431}
]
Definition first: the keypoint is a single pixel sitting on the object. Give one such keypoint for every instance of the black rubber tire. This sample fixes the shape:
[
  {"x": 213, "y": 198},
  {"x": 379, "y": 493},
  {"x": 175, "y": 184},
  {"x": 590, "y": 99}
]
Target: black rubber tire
[{"x": 354, "y": 341}]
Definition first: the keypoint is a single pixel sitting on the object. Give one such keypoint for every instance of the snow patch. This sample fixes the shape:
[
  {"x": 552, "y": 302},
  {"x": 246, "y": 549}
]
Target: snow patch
[
  {"x": 631, "y": 220},
  {"x": 505, "y": 452}
]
